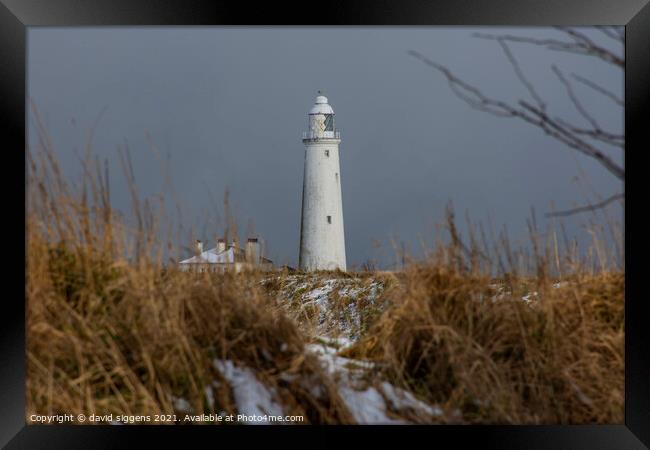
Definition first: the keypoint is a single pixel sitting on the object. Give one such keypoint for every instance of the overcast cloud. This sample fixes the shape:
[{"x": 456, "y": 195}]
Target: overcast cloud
[{"x": 228, "y": 106}]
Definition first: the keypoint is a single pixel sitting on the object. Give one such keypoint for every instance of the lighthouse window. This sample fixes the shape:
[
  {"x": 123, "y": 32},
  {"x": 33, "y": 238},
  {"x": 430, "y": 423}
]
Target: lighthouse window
[
  {"x": 327, "y": 153},
  {"x": 329, "y": 219},
  {"x": 329, "y": 122}
]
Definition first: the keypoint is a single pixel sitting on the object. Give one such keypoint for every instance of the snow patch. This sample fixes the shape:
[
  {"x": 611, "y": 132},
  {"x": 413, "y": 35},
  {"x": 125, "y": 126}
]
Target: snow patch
[
  {"x": 209, "y": 395},
  {"x": 181, "y": 405},
  {"x": 251, "y": 396},
  {"x": 334, "y": 363},
  {"x": 367, "y": 406},
  {"x": 530, "y": 297},
  {"x": 320, "y": 295},
  {"x": 401, "y": 399},
  {"x": 338, "y": 343}
]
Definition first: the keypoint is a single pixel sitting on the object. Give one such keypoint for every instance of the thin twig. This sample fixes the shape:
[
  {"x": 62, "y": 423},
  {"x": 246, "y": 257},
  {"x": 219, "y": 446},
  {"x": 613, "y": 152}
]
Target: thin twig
[
  {"x": 598, "y": 88},
  {"x": 612, "y": 32},
  {"x": 591, "y": 207},
  {"x": 578, "y": 46},
  {"x": 579, "y": 138},
  {"x": 574, "y": 99},
  {"x": 520, "y": 74}
]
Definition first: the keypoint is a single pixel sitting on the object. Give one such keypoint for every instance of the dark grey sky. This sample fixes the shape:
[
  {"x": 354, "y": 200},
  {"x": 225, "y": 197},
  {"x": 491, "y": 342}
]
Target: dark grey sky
[{"x": 228, "y": 106}]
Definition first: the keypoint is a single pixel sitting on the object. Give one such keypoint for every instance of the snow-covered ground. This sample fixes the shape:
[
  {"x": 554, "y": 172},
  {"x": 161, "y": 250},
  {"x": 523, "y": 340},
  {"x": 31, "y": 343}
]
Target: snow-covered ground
[
  {"x": 341, "y": 303},
  {"x": 339, "y": 326},
  {"x": 338, "y": 301},
  {"x": 368, "y": 404},
  {"x": 251, "y": 396}
]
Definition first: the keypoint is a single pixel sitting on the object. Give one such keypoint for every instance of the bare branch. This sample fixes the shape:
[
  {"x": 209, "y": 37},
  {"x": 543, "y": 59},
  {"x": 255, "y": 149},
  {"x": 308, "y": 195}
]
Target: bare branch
[
  {"x": 586, "y": 208},
  {"x": 466, "y": 92},
  {"x": 590, "y": 47},
  {"x": 520, "y": 74},
  {"x": 617, "y": 140},
  {"x": 551, "y": 44},
  {"x": 583, "y": 112},
  {"x": 597, "y": 88},
  {"x": 557, "y": 128},
  {"x": 580, "y": 45},
  {"x": 612, "y": 32},
  {"x": 553, "y": 128}
]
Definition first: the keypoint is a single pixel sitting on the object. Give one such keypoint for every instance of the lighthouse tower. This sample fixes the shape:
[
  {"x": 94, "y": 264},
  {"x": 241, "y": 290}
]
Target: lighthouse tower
[{"x": 322, "y": 239}]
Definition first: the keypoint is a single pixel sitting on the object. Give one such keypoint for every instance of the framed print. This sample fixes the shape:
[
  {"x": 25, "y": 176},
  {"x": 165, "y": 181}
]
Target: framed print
[{"x": 375, "y": 218}]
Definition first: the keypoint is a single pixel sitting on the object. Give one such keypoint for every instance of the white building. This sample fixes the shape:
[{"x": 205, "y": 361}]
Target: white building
[
  {"x": 221, "y": 259},
  {"x": 322, "y": 238}
]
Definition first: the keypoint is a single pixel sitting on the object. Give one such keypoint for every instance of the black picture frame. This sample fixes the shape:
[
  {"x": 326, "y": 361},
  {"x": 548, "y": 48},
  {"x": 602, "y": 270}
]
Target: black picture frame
[{"x": 17, "y": 15}]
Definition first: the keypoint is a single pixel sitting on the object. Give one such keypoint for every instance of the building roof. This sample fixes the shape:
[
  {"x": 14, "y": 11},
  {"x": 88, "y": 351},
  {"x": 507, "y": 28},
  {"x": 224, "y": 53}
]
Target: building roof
[{"x": 213, "y": 256}]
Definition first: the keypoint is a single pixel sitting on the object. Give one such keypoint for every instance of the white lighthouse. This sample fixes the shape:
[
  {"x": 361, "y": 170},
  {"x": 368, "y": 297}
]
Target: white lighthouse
[{"x": 322, "y": 239}]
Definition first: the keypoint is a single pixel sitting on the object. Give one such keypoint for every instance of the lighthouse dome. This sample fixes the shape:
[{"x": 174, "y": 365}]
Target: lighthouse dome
[{"x": 321, "y": 106}]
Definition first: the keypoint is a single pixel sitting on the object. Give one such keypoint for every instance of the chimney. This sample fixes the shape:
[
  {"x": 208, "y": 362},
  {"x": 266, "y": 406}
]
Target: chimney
[
  {"x": 199, "y": 246},
  {"x": 253, "y": 251},
  {"x": 221, "y": 245}
]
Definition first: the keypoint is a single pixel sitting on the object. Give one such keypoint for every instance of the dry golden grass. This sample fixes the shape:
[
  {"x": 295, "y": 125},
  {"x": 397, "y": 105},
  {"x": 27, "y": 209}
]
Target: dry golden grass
[
  {"x": 113, "y": 338},
  {"x": 111, "y": 329},
  {"x": 558, "y": 359}
]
